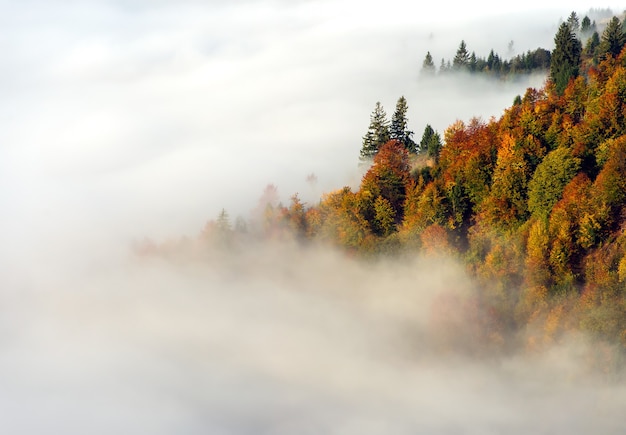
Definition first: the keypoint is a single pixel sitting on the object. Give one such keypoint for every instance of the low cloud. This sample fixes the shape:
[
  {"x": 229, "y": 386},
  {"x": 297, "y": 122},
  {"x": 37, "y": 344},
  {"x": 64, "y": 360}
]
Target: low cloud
[{"x": 274, "y": 339}]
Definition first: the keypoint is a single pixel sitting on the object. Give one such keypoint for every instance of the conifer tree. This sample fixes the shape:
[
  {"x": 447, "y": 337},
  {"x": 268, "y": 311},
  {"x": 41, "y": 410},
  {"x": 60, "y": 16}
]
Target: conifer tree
[
  {"x": 426, "y": 136},
  {"x": 377, "y": 133},
  {"x": 592, "y": 45},
  {"x": 428, "y": 66},
  {"x": 565, "y": 61},
  {"x": 612, "y": 38},
  {"x": 462, "y": 58},
  {"x": 473, "y": 62},
  {"x": 430, "y": 144},
  {"x": 443, "y": 68},
  {"x": 398, "y": 129},
  {"x": 573, "y": 22},
  {"x": 585, "y": 26}
]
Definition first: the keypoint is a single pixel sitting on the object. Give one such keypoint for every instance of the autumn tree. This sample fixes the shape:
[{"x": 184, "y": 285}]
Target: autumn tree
[
  {"x": 377, "y": 133},
  {"x": 398, "y": 130},
  {"x": 506, "y": 205},
  {"x": 387, "y": 178},
  {"x": 565, "y": 61},
  {"x": 551, "y": 176}
]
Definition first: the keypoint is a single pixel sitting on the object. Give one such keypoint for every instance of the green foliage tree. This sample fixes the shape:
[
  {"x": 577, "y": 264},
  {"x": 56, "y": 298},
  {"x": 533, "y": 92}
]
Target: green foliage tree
[
  {"x": 473, "y": 62},
  {"x": 462, "y": 58},
  {"x": 430, "y": 145},
  {"x": 550, "y": 178},
  {"x": 565, "y": 61},
  {"x": 585, "y": 26},
  {"x": 613, "y": 38},
  {"x": 592, "y": 45},
  {"x": 398, "y": 129},
  {"x": 377, "y": 133}
]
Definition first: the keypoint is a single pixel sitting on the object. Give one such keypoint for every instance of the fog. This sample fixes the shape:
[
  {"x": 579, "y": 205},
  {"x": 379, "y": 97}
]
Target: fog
[
  {"x": 276, "y": 340},
  {"x": 131, "y": 119}
]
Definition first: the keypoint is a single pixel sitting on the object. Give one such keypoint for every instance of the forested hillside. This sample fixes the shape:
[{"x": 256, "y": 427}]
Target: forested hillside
[{"x": 533, "y": 203}]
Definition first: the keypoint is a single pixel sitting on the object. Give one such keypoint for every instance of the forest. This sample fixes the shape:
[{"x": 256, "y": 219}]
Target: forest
[{"x": 532, "y": 204}]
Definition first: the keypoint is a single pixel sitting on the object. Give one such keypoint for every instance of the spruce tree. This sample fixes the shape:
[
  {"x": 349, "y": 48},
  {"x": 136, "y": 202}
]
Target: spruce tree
[
  {"x": 442, "y": 67},
  {"x": 592, "y": 45},
  {"x": 428, "y": 134},
  {"x": 612, "y": 38},
  {"x": 573, "y": 22},
  {"x": 473, "y": 62},
  {"x": 430, "y": 145},
  {"x": 565, "y": 61},
  {"x": 377, "y": 133},
  {"x": 428, "y": 66},
  {"x": 434, "y": 146},
  {"x": 585, "y": 26},
  {"x": 398, "y": 129},
  {"x": 462, "y": 57}
]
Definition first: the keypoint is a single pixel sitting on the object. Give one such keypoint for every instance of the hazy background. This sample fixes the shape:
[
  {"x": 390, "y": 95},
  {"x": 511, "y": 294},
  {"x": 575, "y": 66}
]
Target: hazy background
[{"x": 125, "y": 119}]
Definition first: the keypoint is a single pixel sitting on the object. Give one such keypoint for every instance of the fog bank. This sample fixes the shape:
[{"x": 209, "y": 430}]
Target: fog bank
[{"x": 275, "y": 340}]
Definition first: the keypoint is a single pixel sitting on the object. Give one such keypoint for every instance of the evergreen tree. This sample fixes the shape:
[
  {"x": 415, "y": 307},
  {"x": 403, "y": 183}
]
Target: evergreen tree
[
  {"x": 592, "y": 45},
  {"x": 398, "y": 129},
  {"x": 612, "y": 38},
  {"x": 462, "y": 58},
  {"x": 430, "y": 144},
  {"x": 473, "y": 62},
  {"x": 428, "y": 66},
  {"x": 585, "y": 26},
  {"x": 434, "y": 146},
  {"x": 377, "y": 133},
  {"x": 565, "y": 61},
  {"x": 426, "y": 137},
  {"x": 573, "y": 23},
  {"x": 490, "y": 59}
]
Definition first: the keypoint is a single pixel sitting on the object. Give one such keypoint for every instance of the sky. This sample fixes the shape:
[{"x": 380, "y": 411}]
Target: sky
[{"x": 129, "y": 119}]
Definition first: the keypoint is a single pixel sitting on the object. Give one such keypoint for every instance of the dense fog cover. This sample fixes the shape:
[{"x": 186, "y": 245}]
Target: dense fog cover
[
  {"x": 276, "y": 340},
  {"x": 124, "y": 120}
]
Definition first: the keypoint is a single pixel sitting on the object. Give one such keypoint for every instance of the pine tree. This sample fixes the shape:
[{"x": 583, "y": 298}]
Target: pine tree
[
  {"x": 612, "y": 38},
  {"x": 377, "y": 133},
  {"x": 398, "y": 129},
  {"x": 462, "y": 58},
  {"x": 565, "y": 61},
  {"x": 428, "y": 66}
]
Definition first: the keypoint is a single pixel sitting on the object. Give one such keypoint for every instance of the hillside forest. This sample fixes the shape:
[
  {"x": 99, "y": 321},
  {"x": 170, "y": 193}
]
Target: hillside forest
[{"x": 533, "y": 203}]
